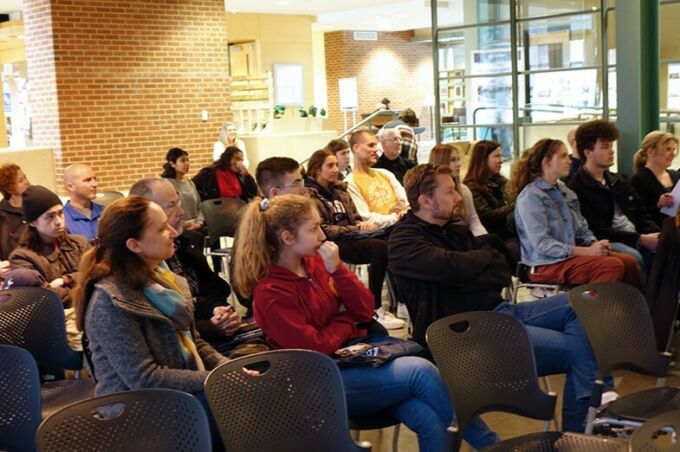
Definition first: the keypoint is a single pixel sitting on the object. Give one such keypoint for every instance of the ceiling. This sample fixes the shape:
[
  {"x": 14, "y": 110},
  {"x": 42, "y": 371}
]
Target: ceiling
[{"x": 9, "y": 6}]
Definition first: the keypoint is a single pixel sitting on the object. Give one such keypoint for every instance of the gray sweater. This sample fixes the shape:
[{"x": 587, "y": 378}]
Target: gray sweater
[{"x": 134, "y": 346}]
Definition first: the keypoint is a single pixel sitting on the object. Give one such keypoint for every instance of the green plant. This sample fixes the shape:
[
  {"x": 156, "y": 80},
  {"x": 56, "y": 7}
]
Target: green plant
[
  {"x": 279, "y": 110},
  {"x": 303, "y": 112}
]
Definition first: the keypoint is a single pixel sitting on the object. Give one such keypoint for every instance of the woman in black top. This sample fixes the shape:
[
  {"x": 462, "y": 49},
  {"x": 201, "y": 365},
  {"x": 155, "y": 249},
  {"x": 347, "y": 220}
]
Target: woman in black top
[{"x": 653, "y": 180}]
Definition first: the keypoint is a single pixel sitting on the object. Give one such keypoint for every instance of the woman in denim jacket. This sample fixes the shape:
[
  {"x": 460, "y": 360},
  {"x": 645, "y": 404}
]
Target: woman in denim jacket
[{"x": 554, "y": 237}]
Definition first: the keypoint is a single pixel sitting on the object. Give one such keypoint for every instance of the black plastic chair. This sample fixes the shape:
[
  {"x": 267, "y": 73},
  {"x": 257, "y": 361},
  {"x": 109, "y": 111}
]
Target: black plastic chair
[
  {"x": 107, "y": 197},
  {"x": 659, "y": 434},
  {"x": 297, "y": 403},
  {"x": 616, "y": 319},
  {"x": 130, "y": 421},
  {"x": 33, "y": 318},
  {"x": 521, "y": 280},
  {"x": 222, "y": 216},
  {"x": 377, "y": 421},
  {"x": 559, "y": 441},
  {"x": 487, "y": 363},
  {"x": 19, "y": 399}
]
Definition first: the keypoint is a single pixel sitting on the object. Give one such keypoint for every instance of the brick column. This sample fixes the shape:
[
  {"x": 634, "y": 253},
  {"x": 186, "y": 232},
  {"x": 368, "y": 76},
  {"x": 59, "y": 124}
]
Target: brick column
[{"x": 116, "y": 84}]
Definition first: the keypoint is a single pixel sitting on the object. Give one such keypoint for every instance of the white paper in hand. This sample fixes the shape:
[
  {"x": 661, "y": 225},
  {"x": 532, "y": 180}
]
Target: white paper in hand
[{"x": 671, "y": 211}]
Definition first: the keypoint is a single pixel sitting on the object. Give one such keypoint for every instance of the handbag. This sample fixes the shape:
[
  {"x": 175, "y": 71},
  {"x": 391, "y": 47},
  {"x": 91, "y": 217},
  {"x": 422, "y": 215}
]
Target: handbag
[{"x": 374, "y": 351}]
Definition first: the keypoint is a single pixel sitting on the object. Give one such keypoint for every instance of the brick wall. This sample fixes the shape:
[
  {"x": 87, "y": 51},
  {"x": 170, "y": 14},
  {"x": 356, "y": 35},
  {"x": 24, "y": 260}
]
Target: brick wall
[
  {"x": 392, "y": 67},
  {"x": 131, "y": 80}
]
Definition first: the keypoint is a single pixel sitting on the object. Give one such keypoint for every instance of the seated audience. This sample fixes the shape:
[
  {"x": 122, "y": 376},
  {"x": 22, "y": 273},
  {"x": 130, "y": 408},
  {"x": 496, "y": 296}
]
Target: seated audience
[
  {"x": 13, "y": 183},
  {"x": 229, "y": 137},
  {"x": 215, "y": 319},
  {"x": 391, "y": 160},
  {"x": 340, "y": 222},
  {"x": 555, "y": 239},
  {"x": 175, "y": 169},
  {"x": 46, "y": 249},
  {"x": 652, "y": 179},
  {"x": 574, "y": 158},
  {"x": 81, "y": 213},
  {"x": 608, "y": 201},
  {"x": 448, "y": 155},
  {"x": 442, "y": 269},
  {"x": 136, "y": 312},
  {"x": 227, "y": 177},
  {"x": 377, "y": 194},
  {"x": 340, "y": 148},
  {"x": 305, "y": 297}
]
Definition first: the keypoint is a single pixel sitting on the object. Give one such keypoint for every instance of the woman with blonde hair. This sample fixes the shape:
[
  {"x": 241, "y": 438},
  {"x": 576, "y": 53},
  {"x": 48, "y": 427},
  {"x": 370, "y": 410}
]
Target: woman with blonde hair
[
  {"x": 229, "y": 137},
  {"x": 305, "y": 297},
  {"x": 449, "y": 155},
  {"x": 652, "y": 178}
]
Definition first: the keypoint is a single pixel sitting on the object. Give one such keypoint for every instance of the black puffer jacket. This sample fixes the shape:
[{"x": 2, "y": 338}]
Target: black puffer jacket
[{"x": 206, "y": 184}]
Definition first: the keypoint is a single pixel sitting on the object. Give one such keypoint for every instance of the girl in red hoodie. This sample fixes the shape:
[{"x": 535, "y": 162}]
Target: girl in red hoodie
[{"x": 305, "y": 297}]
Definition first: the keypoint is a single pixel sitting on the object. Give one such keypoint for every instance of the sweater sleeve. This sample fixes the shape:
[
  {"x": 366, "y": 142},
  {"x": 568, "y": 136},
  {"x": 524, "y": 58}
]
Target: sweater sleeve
[
  {"x": 356, "y": 298},
  {"x": 124, "y": 347},
  {"x": 413, "y": 256},
  {"x": 280, "y": 314}
]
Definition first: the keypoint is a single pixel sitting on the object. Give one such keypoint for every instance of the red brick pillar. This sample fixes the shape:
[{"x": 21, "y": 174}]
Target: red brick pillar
[{"x": 116, "y": 84}]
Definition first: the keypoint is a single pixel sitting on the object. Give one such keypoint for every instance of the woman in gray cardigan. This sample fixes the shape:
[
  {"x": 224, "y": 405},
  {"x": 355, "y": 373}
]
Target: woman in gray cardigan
[{"x": 136, "y": 313}]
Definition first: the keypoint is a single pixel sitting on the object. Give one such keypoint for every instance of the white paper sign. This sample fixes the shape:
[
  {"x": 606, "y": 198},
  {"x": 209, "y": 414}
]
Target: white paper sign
[{"x": 349, "y": 100}]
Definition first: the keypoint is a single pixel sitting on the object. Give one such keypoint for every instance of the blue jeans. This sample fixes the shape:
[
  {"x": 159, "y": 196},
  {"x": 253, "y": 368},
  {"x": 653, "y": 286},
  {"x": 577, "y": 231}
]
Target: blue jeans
[
  {"x": 410, "y": 390},
  {"x": 560, "y": 346}
]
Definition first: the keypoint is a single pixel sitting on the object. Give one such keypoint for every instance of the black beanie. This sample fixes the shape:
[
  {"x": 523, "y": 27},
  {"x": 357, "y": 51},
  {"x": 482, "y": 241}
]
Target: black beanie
[{"x": 37, "y": 200}]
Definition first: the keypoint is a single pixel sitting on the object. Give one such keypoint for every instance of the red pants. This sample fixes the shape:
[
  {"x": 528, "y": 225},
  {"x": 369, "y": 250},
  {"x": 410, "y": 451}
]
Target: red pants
[{"x": 586, "y": 269}]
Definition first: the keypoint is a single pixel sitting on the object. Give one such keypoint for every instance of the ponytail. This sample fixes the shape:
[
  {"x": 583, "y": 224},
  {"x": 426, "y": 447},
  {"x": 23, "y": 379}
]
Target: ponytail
[
  {"x": 257, "y": 245},
  {"x": 639, "y": 160},
  {"x": 530, "y": 165}
]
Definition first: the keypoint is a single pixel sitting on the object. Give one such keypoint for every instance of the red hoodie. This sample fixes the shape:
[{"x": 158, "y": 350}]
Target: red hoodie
[{"x": 297, "y": 312}]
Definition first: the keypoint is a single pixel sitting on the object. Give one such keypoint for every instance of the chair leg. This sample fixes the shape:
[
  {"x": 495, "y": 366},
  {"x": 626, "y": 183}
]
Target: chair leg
[
  {"x": 355, "y": 435},
  {"x": 395, "y": 438}
]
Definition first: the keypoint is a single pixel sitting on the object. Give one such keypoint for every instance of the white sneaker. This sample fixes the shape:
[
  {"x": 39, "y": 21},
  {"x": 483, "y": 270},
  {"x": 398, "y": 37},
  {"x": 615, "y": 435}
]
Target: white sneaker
[
  {"x": 402, "y": 311},
  {"x": 388, "y": 320},
  {"x": 607, "y": 398}
]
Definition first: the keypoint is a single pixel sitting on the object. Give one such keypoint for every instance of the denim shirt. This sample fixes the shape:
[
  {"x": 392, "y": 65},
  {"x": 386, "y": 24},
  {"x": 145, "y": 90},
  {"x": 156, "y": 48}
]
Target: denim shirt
[{"x": 549, "y": 223}]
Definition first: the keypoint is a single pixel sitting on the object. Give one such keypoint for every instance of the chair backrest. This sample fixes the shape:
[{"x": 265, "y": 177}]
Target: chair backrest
[
  {"x": 33, "y": 318},
  {"x": 659, "y": 434},
  {"x": 19, "y": 399},
  {"x": 487, "y": 363},
  {"x": 616, "y": 319},
  {"x": 222, "y": 216},
  {"x": 142, "y": 420},
  {"x": 107, "y": 197},
  {"x": 296, "y": 403}
]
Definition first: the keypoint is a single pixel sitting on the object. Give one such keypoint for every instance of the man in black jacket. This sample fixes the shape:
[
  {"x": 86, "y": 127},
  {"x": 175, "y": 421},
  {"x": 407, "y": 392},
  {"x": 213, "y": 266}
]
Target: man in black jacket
[
  {"x": 441, "y": 269},
  {"x": 215, "y": 319},
  {"x": 608, "y": 202}
]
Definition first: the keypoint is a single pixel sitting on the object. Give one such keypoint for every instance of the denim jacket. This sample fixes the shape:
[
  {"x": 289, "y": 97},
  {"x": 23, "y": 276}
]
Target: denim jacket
[{"x": 549, "y": 223}]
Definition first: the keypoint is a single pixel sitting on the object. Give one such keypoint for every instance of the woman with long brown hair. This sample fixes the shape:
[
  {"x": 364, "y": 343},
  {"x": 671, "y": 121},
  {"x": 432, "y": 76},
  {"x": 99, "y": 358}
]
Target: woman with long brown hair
[
  {"x": 488, "y": 187},
  {"x": 136, "y": 313},
  {"x": 227, "y": 177},
  {"x": 554, "y": 237},
  {"x": 305, "y": 297}
]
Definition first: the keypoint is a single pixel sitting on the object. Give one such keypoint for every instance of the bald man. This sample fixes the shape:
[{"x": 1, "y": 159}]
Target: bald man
[{"x": 80, "y": 212}]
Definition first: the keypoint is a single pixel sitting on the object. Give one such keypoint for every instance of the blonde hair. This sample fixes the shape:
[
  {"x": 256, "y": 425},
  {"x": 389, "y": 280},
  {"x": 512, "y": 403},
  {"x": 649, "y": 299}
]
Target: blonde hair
[
  {"x": 258, "y": 242},
  {"x": 224, "y": 134},
  {"x": 656, "y": 140}
]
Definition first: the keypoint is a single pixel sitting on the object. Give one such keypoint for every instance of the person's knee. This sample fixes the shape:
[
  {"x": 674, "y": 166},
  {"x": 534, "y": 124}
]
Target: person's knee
[{"x": 610, "y": 269}]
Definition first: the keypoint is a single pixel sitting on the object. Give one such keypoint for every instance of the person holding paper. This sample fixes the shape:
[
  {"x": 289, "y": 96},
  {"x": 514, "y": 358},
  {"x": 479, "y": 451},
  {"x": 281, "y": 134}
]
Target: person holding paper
[{"x": 652, "y": 178}]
